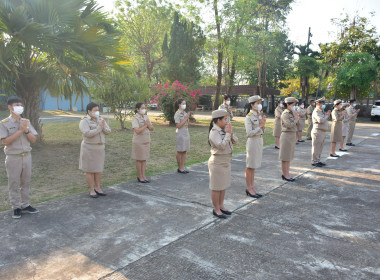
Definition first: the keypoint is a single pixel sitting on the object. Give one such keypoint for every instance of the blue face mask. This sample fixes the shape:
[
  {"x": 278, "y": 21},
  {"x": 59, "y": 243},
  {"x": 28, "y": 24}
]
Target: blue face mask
[
  {"x": 323, "y": 106},
  {"x": 354, "y": 104}
]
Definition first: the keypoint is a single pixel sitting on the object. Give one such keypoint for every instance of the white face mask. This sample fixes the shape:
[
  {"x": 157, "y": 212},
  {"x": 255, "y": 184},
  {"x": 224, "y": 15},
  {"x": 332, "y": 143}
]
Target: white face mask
[
  {"x": 96, "y": 114},
  {"x": 183, "y": 106},
  {"x": 259, "y": 107},
  {"x": 142, "y": 111},
  {"x": 18, "y": 110},
  {"x": 302, "y": 106},
  {"x": 228, "y": 102},
  {"x": 340, "y": 106},
  {"x": 282, "y": 105}
]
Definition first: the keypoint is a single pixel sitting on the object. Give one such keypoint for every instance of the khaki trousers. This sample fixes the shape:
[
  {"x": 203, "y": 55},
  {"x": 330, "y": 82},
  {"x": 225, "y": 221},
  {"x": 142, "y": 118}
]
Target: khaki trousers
[
  {"x": 19, "y": 171},
  {"x": 351, "y": 129},
  {"x": 310, "y": 127},
  {"x": 318, "y": 139}
]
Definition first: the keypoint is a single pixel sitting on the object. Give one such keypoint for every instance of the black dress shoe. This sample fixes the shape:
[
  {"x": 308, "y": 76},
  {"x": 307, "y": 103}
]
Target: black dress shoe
[
  {"x": 94, "y": 195},
  {"x": 276, "y": 147},
  {"x": 182, "y": 172},
  {"x": 343, "y": 150},
  {"x": 226, "y": 212},
  {"x": 145, "y": 181},
  {"x": 301, "y": 141},
  {"x": 350, "y": 144},
  {"x": 257, "y": 195},
  {"x": 286, "y": 179},
  {"x": 309, "y": 138},
  {"x": 219, "y": 216},
  {"x": 100, "y": 193},
  {"x": 321, "y": 163},
  {"x": 331, "y": 155},
  {"x": 318, "y": 164}
]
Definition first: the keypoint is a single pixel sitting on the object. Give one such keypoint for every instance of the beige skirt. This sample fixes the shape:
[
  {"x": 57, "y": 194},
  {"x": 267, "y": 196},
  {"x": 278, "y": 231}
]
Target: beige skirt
[
  {"x": 336, "y": 132},
  {"x": 345, "y": 129},
  {"x": 287, "y": 146},
  {"x": 277, "y": 128},
  {"x": 301, "y": 125},
  {"x": 254, "y": 148},
  {"x": 183, "y": 140},
  {"x": 219, "y": 167},
  {"x": 91, "y": 159}
]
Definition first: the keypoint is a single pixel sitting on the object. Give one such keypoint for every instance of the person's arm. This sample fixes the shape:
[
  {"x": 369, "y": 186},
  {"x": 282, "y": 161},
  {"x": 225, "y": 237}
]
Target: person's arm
[
  {"x": 10, "y": 139},
  {"x": 288, "y": 121},
  {"x": 106, "y": 129},
  {"x": 321, "y": 118},
  {"x": 87, "y": 131},
  {"x": 252, "y": 131},
  {"x": 178, "y": 122},
  {"x": 217, "y": 141}
]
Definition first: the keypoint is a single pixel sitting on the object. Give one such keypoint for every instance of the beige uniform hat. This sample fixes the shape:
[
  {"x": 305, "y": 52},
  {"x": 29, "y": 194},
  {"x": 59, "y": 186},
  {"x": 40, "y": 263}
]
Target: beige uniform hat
[
  {"x": 321, "y": 100},
  {"x": 290, "y": 100},
  {"x": 219, "y": 113},
  {"x": 338, "y": 101},
  {"x": 254, "y": 98}
]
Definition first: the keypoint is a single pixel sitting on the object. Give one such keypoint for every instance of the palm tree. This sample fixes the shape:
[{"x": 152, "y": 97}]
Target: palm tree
[{"x": 53, "y": 44}]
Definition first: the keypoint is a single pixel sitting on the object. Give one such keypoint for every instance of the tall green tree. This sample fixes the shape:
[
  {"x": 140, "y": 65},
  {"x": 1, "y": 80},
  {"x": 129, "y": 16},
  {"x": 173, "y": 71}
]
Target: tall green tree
[
  {"x": 183, "y": 54},
  {"x": 55, "y": 45}
]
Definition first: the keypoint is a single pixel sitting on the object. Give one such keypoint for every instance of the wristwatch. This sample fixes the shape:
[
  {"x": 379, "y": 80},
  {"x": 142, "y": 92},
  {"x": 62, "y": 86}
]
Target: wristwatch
[{"x": 27, "y": 132}]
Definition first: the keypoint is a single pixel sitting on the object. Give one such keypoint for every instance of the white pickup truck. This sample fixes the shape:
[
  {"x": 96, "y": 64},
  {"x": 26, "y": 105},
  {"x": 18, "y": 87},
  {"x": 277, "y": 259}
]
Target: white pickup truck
[{"x": 375, "y": 111}]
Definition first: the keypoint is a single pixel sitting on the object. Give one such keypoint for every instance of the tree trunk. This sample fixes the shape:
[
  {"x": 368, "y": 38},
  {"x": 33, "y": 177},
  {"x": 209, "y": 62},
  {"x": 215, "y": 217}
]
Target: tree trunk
[
  {"x": 32, "y": 101},
  {"x": 71, "y": 103},
  {"x": 220, "y": 57},
  {"x": 307, "y": 89},
  {"x": 58, "y": 103},
  {"x": 82, "y": 102},
  {"x": 354, "y": 92},
  {"x": 262, "y": 70},
  {"x": 233, "y": 66}
]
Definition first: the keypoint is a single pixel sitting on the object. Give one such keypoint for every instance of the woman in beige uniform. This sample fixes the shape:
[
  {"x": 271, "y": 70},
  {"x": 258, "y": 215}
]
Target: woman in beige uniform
[
  {"x": 336, "y": 127},
  {"x": 254, "y": 127},
  {"x": 301, "y": 122},
  {"x": 141, "y": 140},
  {"x": 288, "y": 137},
  {"x": 181, "y": 119},
  {"x": 219, "y": 164},
  {"x": 92, "y": 150},
  {"x": 277, "y": 123},
  {"x": 345, "y": 124}
]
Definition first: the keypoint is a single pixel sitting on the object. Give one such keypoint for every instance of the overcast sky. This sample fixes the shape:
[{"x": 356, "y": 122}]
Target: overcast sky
[{"x": 316, "y": 14}]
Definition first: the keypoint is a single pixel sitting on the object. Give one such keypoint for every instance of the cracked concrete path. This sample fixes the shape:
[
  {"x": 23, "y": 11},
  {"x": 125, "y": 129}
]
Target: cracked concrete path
[{"x": 326, "y": 225}]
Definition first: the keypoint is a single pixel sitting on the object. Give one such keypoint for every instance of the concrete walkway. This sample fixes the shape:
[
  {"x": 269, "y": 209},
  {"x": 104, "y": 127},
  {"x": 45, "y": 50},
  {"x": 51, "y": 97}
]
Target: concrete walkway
[{"x": 326, "y": 225}]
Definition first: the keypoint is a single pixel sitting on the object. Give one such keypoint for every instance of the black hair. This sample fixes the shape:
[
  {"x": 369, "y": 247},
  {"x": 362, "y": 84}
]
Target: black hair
[
  {"x": 338, "y": 103},
  {"x": 226, "y": 96},
  {"x": 91, "y": 106},
  {"x": 278, "y": 102},
  {"x": 352, "y": 101},
  {"x": 177, "y": 103},
  {"x": 301, "y": 101},
  {"x": 215, "y": 120},
  {"x": 138, "y": 106},
  {"x": 287, "y": 104},
  {"x": 14, "y": 99},
  {"x": 249, "y": 106}
]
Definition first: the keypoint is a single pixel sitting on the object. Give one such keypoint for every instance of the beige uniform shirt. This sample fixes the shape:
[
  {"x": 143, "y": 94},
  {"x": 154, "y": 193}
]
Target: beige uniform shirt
[
  {"x": 337, "y": 115},
  {"x": 302, "y": 113},
  {"x": 252, "y": 124},
  {"x": 10, "y": 126},
  {"x": 320, "y": 121},
  {"x": 221, "y": 142},
  {"x": 352, "y": 111},
  {"x": 288, "y": 123},
  {"x": 178, "y": 118},
  {"x": 92, "y": 132},
  {"x": 309, "y": 111},
  {"x": 227, "y": 108},
  {"x": 137, "y": 122},
  {"x": 278, "y": 112}
]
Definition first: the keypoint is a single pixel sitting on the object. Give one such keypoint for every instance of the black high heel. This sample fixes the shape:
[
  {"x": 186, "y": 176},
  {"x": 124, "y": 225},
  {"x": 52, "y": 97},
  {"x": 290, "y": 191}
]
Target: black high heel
[
  {"x": 219, "y": 216},
  {"x": 286, "y": 179},
  {"x": 101, "y": 194},
  {"x": 145, "y": 181},
  {"x": 257, "y": 195},
  {"x": 226, "y": 212}
]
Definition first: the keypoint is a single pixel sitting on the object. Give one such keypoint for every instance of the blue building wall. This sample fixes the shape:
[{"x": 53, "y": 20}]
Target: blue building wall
[{"x": 49, "y": 103}]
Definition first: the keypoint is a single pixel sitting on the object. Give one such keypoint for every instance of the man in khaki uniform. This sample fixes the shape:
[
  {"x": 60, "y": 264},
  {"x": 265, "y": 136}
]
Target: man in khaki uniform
[
  {"x": 353, "y": 114},
  {"x": 318, "y": 134},
  {"x": 226, "y": 106},
  {"x": 309, "y": 112},
  {"x": 16, "y": 134}
]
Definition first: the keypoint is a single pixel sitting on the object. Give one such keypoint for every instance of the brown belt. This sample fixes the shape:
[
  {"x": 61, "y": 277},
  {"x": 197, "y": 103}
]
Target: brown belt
[
  {"x": 19, "y": 155},
  {"x": 95, "y": 143},
  {"x": 253, "y": 136},
  {"x": 223, "y": 155},
  {"x": 324, "y": 130}
]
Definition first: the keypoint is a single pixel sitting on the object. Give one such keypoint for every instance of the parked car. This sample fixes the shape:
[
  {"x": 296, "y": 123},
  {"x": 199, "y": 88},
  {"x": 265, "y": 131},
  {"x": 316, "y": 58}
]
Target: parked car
[{"x": 375, "y": 111}]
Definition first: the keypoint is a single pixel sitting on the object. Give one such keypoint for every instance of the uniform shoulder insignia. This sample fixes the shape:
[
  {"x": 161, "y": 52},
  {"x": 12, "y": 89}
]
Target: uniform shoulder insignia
[
  {"x": 250, "y": 113},
  {"x": 4, "y": 120}
]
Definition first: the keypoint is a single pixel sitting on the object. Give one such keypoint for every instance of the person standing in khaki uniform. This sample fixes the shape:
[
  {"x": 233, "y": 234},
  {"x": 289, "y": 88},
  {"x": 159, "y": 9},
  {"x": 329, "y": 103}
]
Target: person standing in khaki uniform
[
  {"x": 309, "y": 112},
  {"x": 353, "y": 114},
  {"x": 277, "y": 123},
  {"x": 288, "y": 137},
  {"x": 141, "y": 141},
  {"x": 226, "y": 106},
  {"x": 336, "y": 127},
  {"x": 320, "y": 128},
  {"x": 92, "y": 149},
  {"x": 254, "y": 127},
  {"x": 301, "y": 122},
  {"x": 220, "y": 139},
  {"x": 181, "y": 119},
  {"x": 16, "y": 134},
  {"x": 346, "y": 119}
]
